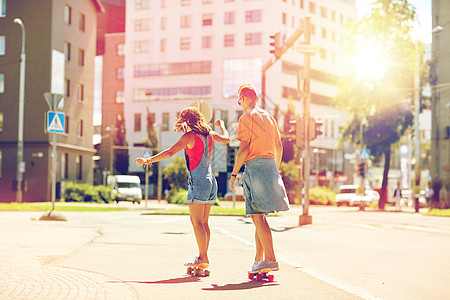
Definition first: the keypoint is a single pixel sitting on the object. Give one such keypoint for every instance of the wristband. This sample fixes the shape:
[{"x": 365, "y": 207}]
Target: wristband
[{"x": 232, "y": 175}]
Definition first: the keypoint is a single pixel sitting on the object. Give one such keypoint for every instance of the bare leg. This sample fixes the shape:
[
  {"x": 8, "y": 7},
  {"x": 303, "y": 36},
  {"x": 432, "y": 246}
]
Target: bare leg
[
  {"x": 259, "y": 248},
  {"x": 265, "y": 236},
  {"x": 199, "y": 219}
]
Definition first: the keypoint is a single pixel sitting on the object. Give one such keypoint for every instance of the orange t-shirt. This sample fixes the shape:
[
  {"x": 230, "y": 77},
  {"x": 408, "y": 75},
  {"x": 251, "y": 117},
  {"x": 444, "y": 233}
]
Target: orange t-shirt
[{"x": 261, "y": 130}]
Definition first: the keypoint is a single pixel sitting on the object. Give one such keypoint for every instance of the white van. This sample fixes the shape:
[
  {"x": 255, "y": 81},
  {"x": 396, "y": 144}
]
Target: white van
[{"x": 126, "y": 188}]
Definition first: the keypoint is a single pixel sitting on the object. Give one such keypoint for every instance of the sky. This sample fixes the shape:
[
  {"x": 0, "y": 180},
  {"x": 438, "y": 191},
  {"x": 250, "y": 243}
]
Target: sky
[{"x": 422, "y": 28}]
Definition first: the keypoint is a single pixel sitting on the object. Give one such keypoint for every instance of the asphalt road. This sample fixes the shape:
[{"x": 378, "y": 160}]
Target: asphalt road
[{"x": 344, "y": 254}]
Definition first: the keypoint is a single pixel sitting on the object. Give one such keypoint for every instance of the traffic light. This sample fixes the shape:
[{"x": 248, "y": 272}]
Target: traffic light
[
  {"x": 276, "y": 44},
  {"x": 300, "y": 134},
  {"x": 315, "y": 128},
  {"x": 361, "y": 169}
]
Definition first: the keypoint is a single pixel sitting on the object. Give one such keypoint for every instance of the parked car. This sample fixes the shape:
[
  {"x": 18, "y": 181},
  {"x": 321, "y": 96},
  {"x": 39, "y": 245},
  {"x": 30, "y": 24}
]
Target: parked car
[
  {"x": 126, "y": 188},
  {"x": 348, "y": 195}
]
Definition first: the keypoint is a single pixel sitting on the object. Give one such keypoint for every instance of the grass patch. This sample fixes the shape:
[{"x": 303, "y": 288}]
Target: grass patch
[
  {"x": 47, "y": 207},
  {"x": 215, "y": 211},
  {"x": 439, "y": 212}
]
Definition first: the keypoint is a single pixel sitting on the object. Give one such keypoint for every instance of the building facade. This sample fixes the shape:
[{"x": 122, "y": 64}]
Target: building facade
[
  {"x": 182, "y": 52},
  {"x": 60, "y": 49},
  {"x": 440, "y": 109}
]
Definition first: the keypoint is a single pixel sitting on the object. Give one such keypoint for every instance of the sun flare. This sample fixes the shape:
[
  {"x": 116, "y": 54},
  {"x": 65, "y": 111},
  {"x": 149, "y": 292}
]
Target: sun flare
[{"x": 369, "y": 62}]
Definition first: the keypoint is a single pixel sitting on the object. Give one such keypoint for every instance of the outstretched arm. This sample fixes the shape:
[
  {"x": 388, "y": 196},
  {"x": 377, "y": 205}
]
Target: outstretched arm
[
  {"x": 182, "y": 143},
  {"x": 221, "y": 138}
]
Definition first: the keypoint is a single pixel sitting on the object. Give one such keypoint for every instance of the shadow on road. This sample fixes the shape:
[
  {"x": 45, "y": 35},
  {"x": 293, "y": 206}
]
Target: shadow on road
[
  {"x": 240, "y": 286},
  {"x": 184, "y": 279}
]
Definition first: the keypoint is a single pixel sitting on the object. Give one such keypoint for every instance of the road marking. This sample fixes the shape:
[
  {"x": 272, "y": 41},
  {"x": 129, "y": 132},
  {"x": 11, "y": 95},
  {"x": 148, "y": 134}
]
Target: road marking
[
  {"x": 170, "y": 220},
  {"x": 339, "y": 285}
]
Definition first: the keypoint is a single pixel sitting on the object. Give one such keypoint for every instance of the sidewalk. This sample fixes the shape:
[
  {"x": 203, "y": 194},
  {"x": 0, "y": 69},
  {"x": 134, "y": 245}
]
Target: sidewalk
[{"x": 124, "y": 255}]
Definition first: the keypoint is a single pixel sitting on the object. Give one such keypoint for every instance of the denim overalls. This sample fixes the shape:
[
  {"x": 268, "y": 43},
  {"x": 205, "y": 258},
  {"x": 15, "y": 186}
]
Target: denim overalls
[{"x": 202, "y": 185}]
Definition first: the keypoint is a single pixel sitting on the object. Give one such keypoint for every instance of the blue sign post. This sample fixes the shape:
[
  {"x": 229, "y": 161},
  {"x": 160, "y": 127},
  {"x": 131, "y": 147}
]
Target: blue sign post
[{"x": 55, "y": 122}]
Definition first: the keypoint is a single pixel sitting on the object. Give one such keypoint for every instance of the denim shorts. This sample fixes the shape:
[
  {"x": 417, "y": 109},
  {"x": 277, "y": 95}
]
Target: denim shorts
[
  {"x": 264, "y": 190},
  {"x": 203, "y": 190}
]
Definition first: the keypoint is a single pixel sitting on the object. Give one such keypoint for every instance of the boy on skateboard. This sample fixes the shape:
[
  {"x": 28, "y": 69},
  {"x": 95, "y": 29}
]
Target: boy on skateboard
[
  {"x": 264, "y": 191},
  {"x": 197, "y": 143}
]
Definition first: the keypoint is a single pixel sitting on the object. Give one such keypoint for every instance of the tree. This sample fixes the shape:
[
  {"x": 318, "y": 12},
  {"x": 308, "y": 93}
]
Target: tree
[
  {"x": 176, "y": 173},
  {"x": 384, "y": 101},
  {"x": 121, "y": 155}
]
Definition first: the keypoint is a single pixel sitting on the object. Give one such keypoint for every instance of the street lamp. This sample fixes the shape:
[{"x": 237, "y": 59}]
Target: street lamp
[{"x": 20, "y": 163}]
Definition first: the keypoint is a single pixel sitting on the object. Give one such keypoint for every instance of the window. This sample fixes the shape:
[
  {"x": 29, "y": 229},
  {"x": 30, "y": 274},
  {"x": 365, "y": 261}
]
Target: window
[
  {"x": 323, "y": 53},
  {"x": 64, "y": 166},
  {"x": 229, "y": 17},
  {"x": 224, "y": 117},
  {"x": 284, "y": 18},
  {"x": 2, "y": 45},
  {"x": 333, "y": 16},
  {"x": 79, "y": 128},
  {"x": 81, "y": 57},
  {"x": 253, "y": 39},
  {"x": 120, "y": 97},
  {"x": 302, "y": 4},
  {"x": 185, "y": 43},
  {"x": 164, "y": 69},
  {"x": 312, "y": 7},
  {"x": 79, "y": 163},
  {"x": 67, "y": 47},
  {"x": 252, "y": 16},
  {"x": 323, "y": 12},
  {"x": 228, "y": 40},
  {"x": 333, "y": 36},
  {"x": 185, "y": 21},
  {"x": 1, "y": 121},
  {"x": 141, "y": 25},
  {"x": 2, "y": 8},
  {"x": 67, "y": 14},
  {"x": 141, "y": 46},
  {"x": 313, "y": 29},
  {"x": 141, "y": 4},
  {"x": 82, "y": 24},
  {"x": 120, "y": 49},
  {"x": 163, "y": 3},
  {"x": 165, "y": 121},
  {"x": 119, "y": 73},
  {"x": 162, "y": 45},
  {"x": 66, "y": 124},
  {"x": 207, "y": 19},
  {"x": 80, "y": 92},
  {"x": 172, "y": 93},
  {"x": 228, "y": 0},
  {"x": 185, "y": 2},
  {"x": 2, "y": 83},
  {"x": 207, "y": 1},
  {"x": 163, "y": 23},
  {"x": 67, "y": 87},
  {"x": 207, "y": 41},
  {"x": 137, "y": 122},
  {"x": 324, "y": 33},
  {"x": 341, "y": 19}
]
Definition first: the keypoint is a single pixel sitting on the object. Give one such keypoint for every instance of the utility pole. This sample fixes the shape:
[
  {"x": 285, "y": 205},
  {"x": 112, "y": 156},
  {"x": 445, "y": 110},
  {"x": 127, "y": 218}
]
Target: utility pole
[
  {"x": 305, "y": 218},
  {"x": 416, "y": 189},
  {"x": 20, "y": 162}
]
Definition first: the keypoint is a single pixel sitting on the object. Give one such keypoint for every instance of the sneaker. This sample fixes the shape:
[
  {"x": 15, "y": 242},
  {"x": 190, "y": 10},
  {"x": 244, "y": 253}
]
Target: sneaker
[
  {"x": 267, "y": 265},
  {"x": 196, "y": 262},
  {"x": 253, "y": 269}
]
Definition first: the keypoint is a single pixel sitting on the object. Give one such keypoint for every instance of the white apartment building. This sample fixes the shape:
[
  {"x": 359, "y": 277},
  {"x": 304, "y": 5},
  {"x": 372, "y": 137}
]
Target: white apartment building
[{"x": 182, "y": 51}]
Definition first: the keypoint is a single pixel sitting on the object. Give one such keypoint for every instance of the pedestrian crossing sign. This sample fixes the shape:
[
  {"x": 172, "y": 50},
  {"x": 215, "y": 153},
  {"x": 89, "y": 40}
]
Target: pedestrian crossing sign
[
  {"x": 364, "y": 154},
  {"x": 55, "y": 122}
]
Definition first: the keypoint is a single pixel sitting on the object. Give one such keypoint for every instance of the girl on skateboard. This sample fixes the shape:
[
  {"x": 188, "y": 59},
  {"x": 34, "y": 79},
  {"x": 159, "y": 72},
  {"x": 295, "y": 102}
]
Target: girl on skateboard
[
  {"x": 264, "y": 191},
  {"x": 197, "y": 142}
]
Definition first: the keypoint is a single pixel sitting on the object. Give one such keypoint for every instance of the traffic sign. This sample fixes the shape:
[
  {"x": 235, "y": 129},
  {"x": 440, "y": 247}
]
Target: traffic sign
[
  {"x": 364, "y": 154},
  {"x": 55, "y": 122}
]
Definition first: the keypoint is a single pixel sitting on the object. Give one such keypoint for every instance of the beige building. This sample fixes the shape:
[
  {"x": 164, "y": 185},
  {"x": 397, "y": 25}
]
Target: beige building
[
  {"x": 179, "y": 52},
  {"x": 60, "y": 49},
  {"x": 440, "y": 109}
]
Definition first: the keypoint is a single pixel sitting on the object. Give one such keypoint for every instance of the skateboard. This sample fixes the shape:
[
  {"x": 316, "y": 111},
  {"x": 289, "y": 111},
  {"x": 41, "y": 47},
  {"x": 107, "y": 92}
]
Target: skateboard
[
  {"x": 261, "y": 275},
  {"x": 199, "y": 270}
]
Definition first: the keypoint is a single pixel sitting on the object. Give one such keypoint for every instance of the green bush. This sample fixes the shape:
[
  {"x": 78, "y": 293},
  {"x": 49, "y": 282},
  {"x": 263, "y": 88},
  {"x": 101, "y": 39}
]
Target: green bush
[
  {"x": 82, "y": 192},
  {"x": 177, "y": 196},
  {"x": 322, "y": 196}
]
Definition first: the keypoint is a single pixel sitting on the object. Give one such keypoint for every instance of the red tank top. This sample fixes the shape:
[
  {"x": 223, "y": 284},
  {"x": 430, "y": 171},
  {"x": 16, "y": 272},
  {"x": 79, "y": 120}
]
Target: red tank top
[{"x": 194, "y": 155}]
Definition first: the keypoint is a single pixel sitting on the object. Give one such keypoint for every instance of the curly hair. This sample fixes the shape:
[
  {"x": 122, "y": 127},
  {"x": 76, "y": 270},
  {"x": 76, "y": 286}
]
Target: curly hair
[{"x": 193, "y": 118}]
